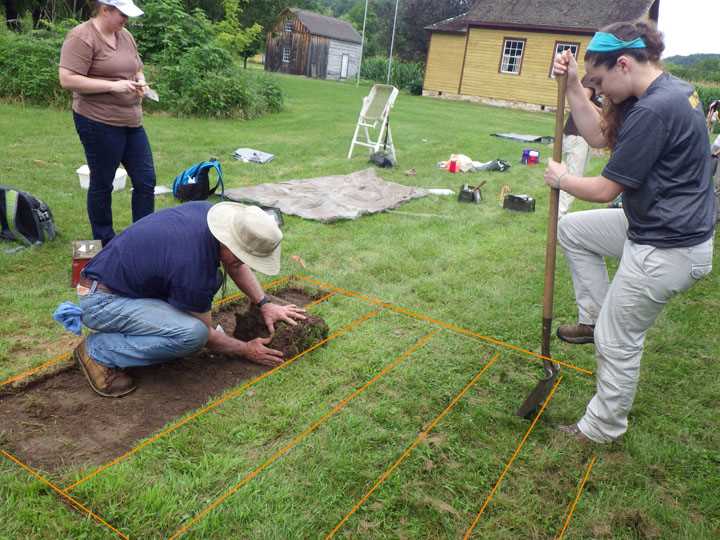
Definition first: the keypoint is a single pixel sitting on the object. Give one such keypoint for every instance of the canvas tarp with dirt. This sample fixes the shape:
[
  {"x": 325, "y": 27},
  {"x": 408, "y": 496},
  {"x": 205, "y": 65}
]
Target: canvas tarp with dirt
[{"x": 329, "y": 198}]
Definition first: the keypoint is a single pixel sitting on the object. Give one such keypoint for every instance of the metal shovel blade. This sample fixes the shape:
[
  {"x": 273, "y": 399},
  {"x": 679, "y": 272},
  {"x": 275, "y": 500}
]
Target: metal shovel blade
[{"x": 539, "y": 394}]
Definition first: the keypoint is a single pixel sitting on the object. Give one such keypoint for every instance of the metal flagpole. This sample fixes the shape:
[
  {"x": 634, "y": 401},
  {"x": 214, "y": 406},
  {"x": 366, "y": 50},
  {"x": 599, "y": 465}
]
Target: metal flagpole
[
  {"x": 392, "y": 41},
  {"x": 362, "y": 45}
]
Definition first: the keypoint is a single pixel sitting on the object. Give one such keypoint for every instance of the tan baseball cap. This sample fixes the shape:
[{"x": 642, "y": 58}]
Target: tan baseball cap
[{"x": 249, "y": 233}]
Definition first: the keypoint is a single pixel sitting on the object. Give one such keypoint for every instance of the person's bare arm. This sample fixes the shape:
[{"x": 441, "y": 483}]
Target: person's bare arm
[
  {"x": 593, "y": 189},
  {"x": 246, "y": 281},
  {"x": 584, "y": 112},
  {"x": 255, "y": 350},
  {"x": 81, "y": 84}
]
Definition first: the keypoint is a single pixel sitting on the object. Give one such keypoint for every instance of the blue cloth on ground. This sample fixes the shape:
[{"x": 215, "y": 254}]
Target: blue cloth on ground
[
  {"x": 607, "y": 42},
  {"x": 70, "y": 316}
]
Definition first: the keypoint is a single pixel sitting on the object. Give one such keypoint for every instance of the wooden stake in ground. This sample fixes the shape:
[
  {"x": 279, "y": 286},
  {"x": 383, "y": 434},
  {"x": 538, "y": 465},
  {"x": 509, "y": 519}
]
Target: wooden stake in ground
[{"x": 533, "y": 402}]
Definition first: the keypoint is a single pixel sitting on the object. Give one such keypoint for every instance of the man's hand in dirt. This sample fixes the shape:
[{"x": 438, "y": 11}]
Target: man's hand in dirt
[
  {"x": 273, "y": 313},
  {"x": 257, "y": 352}
]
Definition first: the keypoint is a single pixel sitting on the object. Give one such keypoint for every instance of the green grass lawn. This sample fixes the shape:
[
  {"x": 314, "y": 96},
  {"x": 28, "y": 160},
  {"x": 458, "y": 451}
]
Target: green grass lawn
[{"x": 292, "y": 456}]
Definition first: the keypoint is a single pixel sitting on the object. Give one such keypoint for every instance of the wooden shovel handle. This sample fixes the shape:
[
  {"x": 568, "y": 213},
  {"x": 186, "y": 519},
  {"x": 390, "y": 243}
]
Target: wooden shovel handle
[{"x": 551, "y": 247}]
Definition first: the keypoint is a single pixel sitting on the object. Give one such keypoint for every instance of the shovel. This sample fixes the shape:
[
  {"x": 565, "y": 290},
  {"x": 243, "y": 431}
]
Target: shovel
[{"x": 536, "y": 398}]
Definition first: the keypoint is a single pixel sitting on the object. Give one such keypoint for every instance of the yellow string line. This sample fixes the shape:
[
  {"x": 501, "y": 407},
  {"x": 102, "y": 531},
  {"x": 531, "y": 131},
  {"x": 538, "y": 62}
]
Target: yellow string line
[
  {"x": 510, "y": 462},
  {"x": 319, "y": 300},
  {"x": 577, "y": 497},
  {"x": 448, "y": 326},
  {"x": 25, "y": 374},
  {"x": 65, "y": 356},
  {"x": 74, "y": 502},
  {"x": 223, "y": 399},
  {"x": 422, "y": 436},
  {"x": 298, "y": 438}
]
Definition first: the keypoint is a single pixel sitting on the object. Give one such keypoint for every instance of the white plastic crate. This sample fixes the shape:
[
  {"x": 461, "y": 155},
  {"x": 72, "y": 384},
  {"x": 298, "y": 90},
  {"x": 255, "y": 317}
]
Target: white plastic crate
[{"x": 118, "y": 183}]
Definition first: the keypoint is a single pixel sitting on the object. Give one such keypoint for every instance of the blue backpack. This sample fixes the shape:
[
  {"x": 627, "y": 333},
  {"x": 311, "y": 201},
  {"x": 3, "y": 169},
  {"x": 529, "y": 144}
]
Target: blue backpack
[{"x": 193, "y": 183}]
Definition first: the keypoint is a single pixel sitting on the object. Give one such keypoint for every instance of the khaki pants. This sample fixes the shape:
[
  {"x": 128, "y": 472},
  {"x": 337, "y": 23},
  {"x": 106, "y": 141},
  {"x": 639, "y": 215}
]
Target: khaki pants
[
  {"x": 576, "y": 156},
  {"x": 622, "y": 310}
]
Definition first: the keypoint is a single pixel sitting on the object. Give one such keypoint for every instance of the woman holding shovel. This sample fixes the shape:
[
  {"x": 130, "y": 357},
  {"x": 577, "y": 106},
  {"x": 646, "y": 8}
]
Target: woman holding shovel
[{"x": 655, "y": 127}]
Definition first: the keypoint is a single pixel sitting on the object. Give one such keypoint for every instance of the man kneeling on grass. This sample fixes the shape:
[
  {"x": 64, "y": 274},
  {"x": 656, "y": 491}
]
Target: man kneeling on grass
[{"x": 148, "y": 293}]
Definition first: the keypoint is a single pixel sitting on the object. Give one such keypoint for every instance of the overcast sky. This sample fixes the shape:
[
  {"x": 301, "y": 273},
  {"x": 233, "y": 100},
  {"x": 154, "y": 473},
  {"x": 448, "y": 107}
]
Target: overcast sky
[{"x": 690, "y": 26}]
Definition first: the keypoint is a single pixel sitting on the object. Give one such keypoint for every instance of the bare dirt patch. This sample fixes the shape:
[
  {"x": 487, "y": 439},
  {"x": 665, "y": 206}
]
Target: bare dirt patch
[{"x": 57, "y": 422}]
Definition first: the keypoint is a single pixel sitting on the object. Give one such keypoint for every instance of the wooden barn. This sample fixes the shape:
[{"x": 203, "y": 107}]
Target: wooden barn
[
  {"x": 314, "y": 45},
  {"x": 501, "y": 51}
]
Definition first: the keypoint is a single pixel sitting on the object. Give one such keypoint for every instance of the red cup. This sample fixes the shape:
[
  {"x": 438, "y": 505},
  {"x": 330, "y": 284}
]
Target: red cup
[{"x": 452, "y": 166}]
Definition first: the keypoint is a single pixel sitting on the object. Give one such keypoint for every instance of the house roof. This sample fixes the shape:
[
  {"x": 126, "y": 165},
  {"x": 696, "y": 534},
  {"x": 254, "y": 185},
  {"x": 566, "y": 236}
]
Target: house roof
[
  {"x": 558, "y": 15},
  {"x": 458, "y": 23},
  {"x": 322, "y": 25}
]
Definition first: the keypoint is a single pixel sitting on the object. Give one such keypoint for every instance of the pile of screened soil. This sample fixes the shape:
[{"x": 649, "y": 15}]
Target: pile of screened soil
[{"x": 58, "y": 422}]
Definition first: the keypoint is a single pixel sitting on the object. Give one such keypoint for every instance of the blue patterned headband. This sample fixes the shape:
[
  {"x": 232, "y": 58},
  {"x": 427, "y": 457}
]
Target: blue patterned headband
[{"x": 603, "y": 42}]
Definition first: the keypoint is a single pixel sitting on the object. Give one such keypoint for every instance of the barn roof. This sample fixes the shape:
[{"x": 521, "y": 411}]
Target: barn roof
[
  {"x": 322, "y": 25},
  {"x": 583, "y": 16}
]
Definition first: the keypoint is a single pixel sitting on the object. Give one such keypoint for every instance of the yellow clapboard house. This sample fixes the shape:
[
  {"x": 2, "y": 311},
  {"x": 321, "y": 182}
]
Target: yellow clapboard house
[{"x": 501, "y": 51}]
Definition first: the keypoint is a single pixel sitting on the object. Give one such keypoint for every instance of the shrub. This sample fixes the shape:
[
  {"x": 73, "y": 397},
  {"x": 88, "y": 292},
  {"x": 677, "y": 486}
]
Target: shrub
[
  {"x": 206, "y": 82},
  {"x": 707, "y": 94},
  {"x": 202, "y": 81},
  {"x": 405, "y": 75},
  {"x": 29, "y": 69},
  {"x": 167, "y": 29}
]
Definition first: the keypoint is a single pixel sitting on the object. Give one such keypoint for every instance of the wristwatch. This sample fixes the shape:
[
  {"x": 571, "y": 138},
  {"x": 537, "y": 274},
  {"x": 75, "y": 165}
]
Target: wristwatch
[{"x": 262, "y": 302}]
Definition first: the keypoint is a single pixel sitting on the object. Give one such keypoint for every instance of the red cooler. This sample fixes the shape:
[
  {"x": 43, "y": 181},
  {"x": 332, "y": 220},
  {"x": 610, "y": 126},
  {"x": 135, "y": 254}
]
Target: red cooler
[{"x": 83, "y": 251}]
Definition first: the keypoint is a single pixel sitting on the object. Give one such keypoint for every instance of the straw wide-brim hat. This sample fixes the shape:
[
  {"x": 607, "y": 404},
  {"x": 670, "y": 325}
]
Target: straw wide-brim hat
[{"x": 252, "y": 235}]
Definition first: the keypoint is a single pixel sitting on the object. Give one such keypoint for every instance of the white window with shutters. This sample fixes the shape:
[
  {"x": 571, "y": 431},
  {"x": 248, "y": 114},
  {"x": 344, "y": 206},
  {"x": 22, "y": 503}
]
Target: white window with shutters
[
  {"x": 286, "y": 55},
  {"x": 288, "y": 25},
  {"x": 512, "y": 55}
]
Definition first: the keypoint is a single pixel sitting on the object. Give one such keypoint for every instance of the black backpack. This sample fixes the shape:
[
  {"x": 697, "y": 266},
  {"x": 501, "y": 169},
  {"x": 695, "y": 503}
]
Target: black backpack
[
  {"x": 193, "y": 183},
  {"x": 24, "y": 218}
]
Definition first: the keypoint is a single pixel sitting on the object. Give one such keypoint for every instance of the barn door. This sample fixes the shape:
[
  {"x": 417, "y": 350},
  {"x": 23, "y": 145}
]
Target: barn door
[{"x": 344, "y": 66}]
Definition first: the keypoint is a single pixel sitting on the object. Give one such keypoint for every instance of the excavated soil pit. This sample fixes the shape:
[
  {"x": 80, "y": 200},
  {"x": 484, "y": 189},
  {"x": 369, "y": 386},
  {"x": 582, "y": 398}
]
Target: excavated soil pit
[{"x": 58, "y": 422}]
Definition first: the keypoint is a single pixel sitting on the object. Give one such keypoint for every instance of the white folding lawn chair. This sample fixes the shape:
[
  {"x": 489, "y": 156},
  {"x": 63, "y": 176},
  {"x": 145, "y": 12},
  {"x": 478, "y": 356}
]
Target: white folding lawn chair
[{"x": 375, "y": 116}]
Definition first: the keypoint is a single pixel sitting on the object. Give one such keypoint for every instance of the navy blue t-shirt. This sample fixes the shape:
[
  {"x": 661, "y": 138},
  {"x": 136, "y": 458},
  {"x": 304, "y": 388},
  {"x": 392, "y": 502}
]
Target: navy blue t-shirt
[
  {"x": 662, "y": 158},
  {"x": 170, "y": 255}
]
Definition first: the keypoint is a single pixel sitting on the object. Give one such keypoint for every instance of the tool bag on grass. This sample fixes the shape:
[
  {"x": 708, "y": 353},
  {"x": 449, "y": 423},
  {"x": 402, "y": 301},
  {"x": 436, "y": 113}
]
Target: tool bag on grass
[
  {"x": 24, "y": 218},
  {"x": 193, "y": 184}
]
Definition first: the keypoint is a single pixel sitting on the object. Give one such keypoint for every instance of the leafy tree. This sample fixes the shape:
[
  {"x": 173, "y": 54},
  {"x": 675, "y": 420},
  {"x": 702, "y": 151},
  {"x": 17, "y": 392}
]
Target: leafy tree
[
  {"x": 167, "y": 29},
  {"x": 412, "y": 39},
  {"x": 372, "y": 26},
  {"x": 242, "y": 42}
]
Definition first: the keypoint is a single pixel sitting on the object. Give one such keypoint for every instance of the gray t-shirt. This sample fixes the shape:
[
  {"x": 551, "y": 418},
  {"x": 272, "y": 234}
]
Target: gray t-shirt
[{"x": 662, "y": 158}]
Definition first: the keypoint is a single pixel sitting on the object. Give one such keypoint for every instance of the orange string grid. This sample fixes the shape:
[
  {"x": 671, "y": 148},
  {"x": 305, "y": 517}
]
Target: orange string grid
[
  {"x": 299, "y": 438},
  {"x": 66, "y": 356},
  {"x": 220, "y": 401},
  {"x": 572, "y": 506},
  {"x": 468, "y": 533},
  {"x": 421, "y": 437},
  {"x": 74, "y": 502},
  {"x": 25, "y": 374},
  {"x": 447, "y": 326}
]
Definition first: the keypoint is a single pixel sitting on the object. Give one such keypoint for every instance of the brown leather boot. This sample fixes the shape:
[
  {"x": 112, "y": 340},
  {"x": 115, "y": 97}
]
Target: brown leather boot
[
  {"x": 577, "y": 333},
  {"x": 103, "y": 380}
]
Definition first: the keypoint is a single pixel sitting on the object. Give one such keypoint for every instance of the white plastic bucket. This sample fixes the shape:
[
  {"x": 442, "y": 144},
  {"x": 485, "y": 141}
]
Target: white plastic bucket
[{"x": 118, "y": 182}]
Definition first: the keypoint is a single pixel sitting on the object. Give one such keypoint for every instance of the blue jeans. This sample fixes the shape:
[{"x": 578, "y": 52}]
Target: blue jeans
[
  {"x": 106, "y": 147},
  {"x": 133, "y": 332}
]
